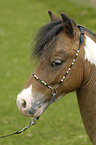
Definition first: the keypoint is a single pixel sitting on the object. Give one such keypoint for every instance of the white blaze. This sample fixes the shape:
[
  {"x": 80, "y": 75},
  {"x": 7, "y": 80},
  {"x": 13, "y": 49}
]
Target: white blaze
[
  {"x": 33, "y": 101},
  {"x": 26, "y": 94}
]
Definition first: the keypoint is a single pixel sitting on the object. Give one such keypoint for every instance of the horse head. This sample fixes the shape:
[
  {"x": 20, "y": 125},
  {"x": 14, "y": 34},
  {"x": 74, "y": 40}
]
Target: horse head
[{"x": 55, "y": 45}]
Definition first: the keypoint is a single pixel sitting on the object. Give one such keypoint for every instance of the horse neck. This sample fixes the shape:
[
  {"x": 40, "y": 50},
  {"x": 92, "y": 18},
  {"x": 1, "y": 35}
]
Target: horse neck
[
  {"x": 87, "y": 101},
  {"x": 86, "y": 94}
]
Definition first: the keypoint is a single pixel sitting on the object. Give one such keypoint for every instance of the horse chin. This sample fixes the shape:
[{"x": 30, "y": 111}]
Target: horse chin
[
  {"x": 40, "y": 110},
  {"x": 44, "y": 106}
]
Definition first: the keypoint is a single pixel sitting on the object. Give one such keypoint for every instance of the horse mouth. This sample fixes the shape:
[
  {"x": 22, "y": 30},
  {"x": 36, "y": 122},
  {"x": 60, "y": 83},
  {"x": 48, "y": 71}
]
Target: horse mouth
[
  {"x": 34, "y": 112},
  {"x": 31, "y": 105},
  {"x": 40, "y": 110}
]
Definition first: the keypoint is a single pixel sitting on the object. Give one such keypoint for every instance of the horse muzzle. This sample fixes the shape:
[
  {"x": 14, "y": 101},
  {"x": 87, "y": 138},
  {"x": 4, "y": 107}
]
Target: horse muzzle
[{"x": 29, "y": 105}]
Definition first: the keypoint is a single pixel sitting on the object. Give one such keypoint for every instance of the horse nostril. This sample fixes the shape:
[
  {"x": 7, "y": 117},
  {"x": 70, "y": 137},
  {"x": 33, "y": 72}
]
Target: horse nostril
[{"x": 23, "y": 103}]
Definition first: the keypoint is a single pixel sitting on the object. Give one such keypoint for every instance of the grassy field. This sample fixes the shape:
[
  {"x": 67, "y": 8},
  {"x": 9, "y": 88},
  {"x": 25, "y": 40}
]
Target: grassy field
[{"x": 61, "y": 124}]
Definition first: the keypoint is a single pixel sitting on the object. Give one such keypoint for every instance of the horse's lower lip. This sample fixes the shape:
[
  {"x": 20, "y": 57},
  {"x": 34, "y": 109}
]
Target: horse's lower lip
[{"x": 38, "y": 112}]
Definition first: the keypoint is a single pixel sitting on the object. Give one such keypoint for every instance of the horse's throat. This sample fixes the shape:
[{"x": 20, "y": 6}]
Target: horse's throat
[{"x": 87, "y": 103}]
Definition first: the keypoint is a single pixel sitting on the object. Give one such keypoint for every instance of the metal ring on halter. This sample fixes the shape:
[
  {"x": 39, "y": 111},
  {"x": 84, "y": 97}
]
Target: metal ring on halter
[{"x": 54, "y": 93}]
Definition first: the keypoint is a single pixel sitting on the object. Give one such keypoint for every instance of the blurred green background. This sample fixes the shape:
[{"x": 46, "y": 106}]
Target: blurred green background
[{"x": 61, "y": 124}]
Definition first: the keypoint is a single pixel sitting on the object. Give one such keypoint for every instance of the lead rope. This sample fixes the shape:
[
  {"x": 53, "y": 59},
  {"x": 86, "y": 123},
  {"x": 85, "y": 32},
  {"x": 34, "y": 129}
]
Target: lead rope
[
  {"x": 32, "y": 122},
  {"x": 54, "y": 91}
]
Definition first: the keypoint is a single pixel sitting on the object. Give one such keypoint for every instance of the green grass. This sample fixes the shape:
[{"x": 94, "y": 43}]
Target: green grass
[{"x": 61, "y": 124}]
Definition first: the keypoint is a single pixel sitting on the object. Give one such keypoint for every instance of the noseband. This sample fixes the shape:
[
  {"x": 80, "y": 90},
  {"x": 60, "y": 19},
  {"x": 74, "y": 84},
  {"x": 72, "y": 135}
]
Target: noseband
[{"x": 54, "y": 90}]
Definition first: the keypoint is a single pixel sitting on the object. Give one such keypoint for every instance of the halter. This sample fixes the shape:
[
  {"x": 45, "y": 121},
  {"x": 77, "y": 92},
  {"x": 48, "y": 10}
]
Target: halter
[{"x": 53, "y": 90}]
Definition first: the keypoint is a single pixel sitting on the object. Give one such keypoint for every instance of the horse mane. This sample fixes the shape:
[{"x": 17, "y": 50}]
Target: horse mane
[
  {"x": 46, "y": 35},
  {"x": 90, "y": 32}
]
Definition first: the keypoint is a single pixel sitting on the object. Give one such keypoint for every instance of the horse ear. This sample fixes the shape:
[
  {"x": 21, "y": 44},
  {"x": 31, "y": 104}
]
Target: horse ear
[
  {"x": 68, "y": 24},
  {"x": 52, "y": 16}
]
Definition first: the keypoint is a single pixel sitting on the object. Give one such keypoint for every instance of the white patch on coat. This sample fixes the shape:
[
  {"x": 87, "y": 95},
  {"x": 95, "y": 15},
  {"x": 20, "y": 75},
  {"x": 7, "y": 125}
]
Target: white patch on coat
[
  {"x": 26, "y": 95},
  {"x": 33, "y": 101},
  {"x": 90, "y": 50}
]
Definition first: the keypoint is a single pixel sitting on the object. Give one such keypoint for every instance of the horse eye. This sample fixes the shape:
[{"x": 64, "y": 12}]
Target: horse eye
[{"x": 56, "y": 62}]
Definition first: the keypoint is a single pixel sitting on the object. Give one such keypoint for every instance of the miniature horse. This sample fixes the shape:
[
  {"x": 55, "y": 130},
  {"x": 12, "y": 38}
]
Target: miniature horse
[{"x": 57, "y": 46}]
